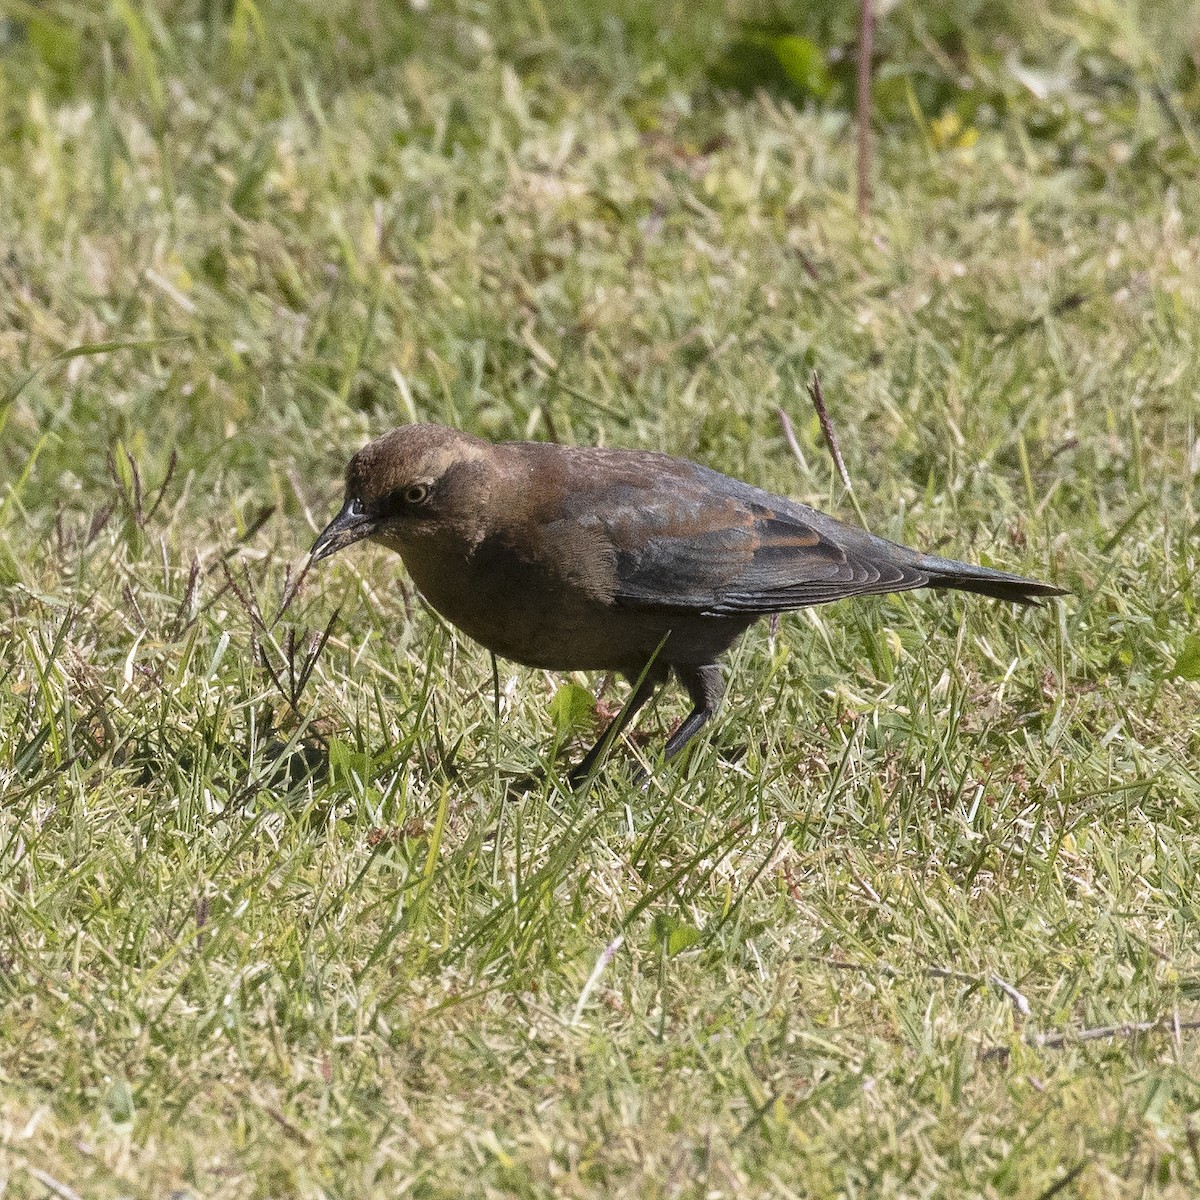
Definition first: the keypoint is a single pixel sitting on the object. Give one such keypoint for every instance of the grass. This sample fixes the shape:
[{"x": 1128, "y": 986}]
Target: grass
[{"x": 814, "y": 960}]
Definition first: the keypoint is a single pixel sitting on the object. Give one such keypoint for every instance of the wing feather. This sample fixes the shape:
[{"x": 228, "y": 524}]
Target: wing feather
[{"x": 714, "y": 546}]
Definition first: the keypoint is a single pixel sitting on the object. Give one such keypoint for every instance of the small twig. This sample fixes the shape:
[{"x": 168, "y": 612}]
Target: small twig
[
  {"x": 1056, "y": 1041},
  {"x": 1069, "y": 1178},
  {"x": 818, "y": 399},
  {"x": 936, "y": 972},
  {"x": 866, "y": 31},
  {"x": 933, "y": 970},
  {"x": 789, "y": 436}
]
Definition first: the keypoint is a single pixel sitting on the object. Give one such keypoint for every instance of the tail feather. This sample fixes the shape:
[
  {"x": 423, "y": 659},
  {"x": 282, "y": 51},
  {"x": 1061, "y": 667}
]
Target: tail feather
[{"x": 1000, "y": 585}]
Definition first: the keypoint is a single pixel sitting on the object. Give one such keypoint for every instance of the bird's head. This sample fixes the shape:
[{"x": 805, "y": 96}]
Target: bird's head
[{"x": 416, "y": 482}]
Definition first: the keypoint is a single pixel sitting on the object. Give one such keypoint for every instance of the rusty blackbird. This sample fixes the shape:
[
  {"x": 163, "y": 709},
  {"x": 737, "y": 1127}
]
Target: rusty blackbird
[{"x": 579, "y": 558}]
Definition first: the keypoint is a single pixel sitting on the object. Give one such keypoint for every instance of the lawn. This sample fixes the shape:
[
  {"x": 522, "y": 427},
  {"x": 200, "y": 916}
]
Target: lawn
[{"x": 916, "y": 917}]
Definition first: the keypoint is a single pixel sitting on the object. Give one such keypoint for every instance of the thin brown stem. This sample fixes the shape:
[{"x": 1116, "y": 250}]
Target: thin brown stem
[
  {"x": 866, "y": 37},
  {"x": 818, "y": 399}
]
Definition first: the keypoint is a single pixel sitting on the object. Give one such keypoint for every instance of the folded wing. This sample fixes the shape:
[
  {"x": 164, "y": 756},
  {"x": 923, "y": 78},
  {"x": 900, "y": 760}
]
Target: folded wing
[{"x": 712, "y": 545}]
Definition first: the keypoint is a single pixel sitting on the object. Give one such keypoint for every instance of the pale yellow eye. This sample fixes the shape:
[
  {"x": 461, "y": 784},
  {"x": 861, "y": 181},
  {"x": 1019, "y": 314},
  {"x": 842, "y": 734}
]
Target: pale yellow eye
[{"x": 416, "y": 493}]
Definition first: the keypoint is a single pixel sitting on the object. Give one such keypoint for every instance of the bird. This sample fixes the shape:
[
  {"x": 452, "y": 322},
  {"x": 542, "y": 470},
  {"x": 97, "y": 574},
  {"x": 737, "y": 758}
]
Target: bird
[{"x": 578, "y": 558}]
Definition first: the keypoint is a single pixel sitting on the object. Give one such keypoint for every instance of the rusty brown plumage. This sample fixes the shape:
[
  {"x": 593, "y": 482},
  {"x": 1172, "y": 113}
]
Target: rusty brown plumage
[{"x": 579, "y": 558}]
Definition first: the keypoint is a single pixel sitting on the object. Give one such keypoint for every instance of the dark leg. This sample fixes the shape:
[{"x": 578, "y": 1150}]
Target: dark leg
[
  {"x": 642, "y": 692},
  {"x": 705, "y": 688}
]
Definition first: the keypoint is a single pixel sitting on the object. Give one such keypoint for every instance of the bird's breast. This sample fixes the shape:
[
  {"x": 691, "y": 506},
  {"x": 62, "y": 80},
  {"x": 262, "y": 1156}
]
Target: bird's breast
[{"x": 544, "y": 601}]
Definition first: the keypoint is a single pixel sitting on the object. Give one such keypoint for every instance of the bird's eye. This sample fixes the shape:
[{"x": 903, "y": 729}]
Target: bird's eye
[{"x": 416, "y": 493}]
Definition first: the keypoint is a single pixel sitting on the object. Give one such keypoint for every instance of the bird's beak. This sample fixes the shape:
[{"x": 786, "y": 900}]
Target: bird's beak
[{"x": 349, "y": 526}]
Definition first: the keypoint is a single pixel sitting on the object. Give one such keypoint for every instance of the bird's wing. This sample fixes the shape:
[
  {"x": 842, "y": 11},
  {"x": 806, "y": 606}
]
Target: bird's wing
[
  {"x": 711, "y": 545},
  {"x": 773, "y": 564}
]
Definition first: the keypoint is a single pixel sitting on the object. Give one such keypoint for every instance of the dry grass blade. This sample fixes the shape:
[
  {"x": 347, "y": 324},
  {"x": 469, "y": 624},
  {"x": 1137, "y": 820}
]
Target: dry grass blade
[{"x": 789, "y": 436}]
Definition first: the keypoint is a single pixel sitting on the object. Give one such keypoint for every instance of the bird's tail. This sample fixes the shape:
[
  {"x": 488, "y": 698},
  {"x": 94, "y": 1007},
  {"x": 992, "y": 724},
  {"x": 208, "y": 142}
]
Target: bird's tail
[{"x": 1000, "y": 585}]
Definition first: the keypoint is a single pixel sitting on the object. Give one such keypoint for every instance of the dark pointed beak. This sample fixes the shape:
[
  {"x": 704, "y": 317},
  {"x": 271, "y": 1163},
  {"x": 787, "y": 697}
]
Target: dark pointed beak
[{"x": 349, "y": 526}]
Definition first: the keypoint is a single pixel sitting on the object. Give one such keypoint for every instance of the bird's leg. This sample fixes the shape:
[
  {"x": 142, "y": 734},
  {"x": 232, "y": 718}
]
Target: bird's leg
[
  {"x": 704, "y": 687},
  {"x": 642, "y": 692}
]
